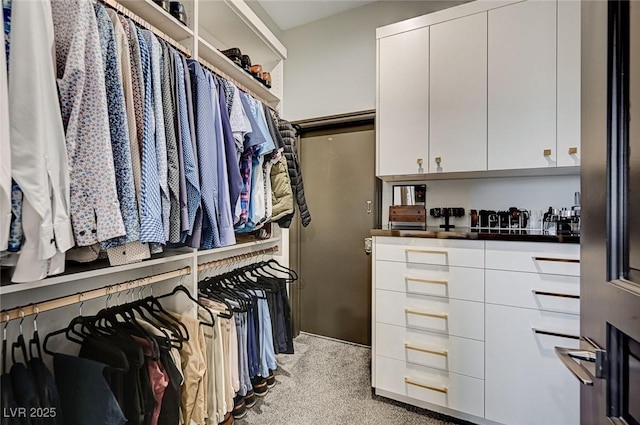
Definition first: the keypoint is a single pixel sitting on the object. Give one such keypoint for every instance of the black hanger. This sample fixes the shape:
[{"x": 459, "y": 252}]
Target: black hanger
[
  {"x": 19, "y": 344},
  {"x": 4, "y": 344},
  {"x": 35, "y": 339}
]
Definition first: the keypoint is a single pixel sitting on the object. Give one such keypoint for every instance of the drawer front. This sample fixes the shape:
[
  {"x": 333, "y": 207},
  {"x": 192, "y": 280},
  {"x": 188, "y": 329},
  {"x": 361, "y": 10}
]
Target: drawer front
[
  {"x": 532, "y": 290},
  {"x": 461, "y": 283},
  {"x": 442, "y": 388},
  {"x": 454, "y": 354},
  {"x": 442, "y": 252},
  {"x": 534, "y": 257},
  {"x": 526, "y": 383},
  {"x": 453, "y": 317}
]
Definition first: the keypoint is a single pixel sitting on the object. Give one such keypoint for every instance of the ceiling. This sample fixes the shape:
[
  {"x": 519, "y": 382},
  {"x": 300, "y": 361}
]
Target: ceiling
[{"x": 288, "y": 14}]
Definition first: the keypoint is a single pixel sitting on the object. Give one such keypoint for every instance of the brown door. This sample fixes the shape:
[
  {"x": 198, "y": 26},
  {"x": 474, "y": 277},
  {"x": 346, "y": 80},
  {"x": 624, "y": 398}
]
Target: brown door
[
  {"x": 609, "y": 366},
  {"x": 335, "y": 272}
]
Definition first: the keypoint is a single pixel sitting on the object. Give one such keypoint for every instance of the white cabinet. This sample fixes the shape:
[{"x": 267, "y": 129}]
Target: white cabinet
[
  {"x": 458, "y": 95},
  {"x": 403, "y": 103},
  {"x": 568, "y": 83},
  {"x": 525, "y": 382},
  {"x": 522, "y": 86},
  {"x": 472, "y": 326}
]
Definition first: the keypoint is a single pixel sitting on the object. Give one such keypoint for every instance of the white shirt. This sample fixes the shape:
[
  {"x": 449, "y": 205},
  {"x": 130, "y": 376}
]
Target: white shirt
[
  {"x": 5, "y": 153},
  {"x": 38, "y": 149}
]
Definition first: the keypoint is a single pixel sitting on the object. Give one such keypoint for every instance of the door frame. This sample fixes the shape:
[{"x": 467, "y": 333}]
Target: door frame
[{"x": 331, "y": 124}]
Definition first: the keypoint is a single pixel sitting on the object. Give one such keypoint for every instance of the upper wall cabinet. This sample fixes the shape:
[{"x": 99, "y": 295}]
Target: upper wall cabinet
[
  {"x": 403, "y": 103},
  {"x": 522, "y": 86},
  {"x": 499, "y": 83},
  {"x": 568, "y": 83},
  {"x": 458, "y": 95}
]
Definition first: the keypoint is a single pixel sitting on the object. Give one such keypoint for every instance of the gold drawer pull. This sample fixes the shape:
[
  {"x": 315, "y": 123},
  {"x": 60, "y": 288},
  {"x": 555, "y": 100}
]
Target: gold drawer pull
[
  {"x": 408, "y": 346},
  {"x": 443, "y": 390},
  {"x": 557, "y": 260},
  {"x": 426, "y": 251},
  {"x": 427, "y": 314},
  {"x": 551, "y": 333},
  {"x": 418, "y": 279},
  {"x": 573, "y": 151},
  {"x": 555, "y": 294}
]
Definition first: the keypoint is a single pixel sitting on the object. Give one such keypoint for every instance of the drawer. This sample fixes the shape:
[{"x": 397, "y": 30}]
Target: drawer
[
  {"x": 448, "y": 316},
  {"x": 442, "y": 252},
  {"x": 534, "y": 257},
  {"x": 461, "y": 283},
  {"x": 532, "y": 290},
  {"x": 454, "y": 354},
  {"x": 442, "y": 388},
  {"x": 526, "y": 383}
]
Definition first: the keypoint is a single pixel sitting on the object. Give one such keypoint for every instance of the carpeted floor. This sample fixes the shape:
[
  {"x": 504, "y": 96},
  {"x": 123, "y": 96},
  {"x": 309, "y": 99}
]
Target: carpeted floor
[{"x": 327, "y": 382}]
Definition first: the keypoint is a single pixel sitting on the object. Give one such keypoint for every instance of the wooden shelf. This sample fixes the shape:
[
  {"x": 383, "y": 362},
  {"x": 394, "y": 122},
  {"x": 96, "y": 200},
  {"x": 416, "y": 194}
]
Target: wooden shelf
[
  {"x": 210, "y": 54},
  {"x": 159, "y": 18}
]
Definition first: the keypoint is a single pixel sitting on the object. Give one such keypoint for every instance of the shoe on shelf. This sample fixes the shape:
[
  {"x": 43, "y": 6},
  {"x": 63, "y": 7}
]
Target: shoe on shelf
[
  {"x": 260, "y": 386},
  {"x": 239, "y": 407},
  {"x": 266, "y": 80},
  {"x": 163, "y": 4},
  {"x": 256, "y": 71},
  {"x": 234, "y": 54},
  {"x": 250, "y": 399},
  {"x": 178, "y": 11},
  {"x": 246, "y": 63}
]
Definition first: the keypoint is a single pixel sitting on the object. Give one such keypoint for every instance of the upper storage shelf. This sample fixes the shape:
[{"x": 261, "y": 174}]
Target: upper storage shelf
[
  {"x": 215, "y": 25},
  {"x": 161, "y": 19},
  {"x": 231, "y": 23}
]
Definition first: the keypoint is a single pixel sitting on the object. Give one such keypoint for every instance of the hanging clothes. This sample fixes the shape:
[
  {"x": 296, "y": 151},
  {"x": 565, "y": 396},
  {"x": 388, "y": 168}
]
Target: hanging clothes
[
  {"x": 5, "y": 154},
  {"x": 95, "y": 209},
  {"x": 38, "y": 149},
  {"x": 207, "y": 154}
]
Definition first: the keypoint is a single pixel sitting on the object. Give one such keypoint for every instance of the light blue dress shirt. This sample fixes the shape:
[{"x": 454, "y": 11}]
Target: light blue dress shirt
[
  {"x": 188, "y": 155},
  {"x": 207, "y": 153},
  {"x": 152, "y": 229}
]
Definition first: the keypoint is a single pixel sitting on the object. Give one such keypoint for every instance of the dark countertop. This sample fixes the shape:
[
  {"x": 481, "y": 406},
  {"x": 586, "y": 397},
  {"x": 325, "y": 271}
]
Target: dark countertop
[{"x": 483, "y": 235}]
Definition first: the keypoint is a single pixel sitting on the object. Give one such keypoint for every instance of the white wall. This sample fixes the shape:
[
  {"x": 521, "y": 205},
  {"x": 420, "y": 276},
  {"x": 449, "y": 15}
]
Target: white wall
[
  {"x": 530, "y": 193},
  {"x": 331, "y": 68}
]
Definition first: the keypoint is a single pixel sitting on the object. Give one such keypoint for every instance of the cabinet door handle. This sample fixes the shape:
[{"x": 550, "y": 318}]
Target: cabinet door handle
[
  {"x": 577, "y": 369},
  {"x": 419, "y": 279},
  {"x": 444, "y": 316},
  {"x": 573, "y": 151},
  {"x": 552, "y": 333},
  {"x": 427, "y": 251},
  {"x": 443, "y": 390},
  {"x": 557, "y": 260},
  {"x": 555, "y": 294},
  {"x": 547, "y": 152},
  {"x": 443, "y": 353}
]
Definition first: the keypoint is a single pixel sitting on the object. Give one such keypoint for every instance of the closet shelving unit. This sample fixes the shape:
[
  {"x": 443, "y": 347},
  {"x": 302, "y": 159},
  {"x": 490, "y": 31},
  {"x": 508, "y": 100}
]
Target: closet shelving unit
[{"x": 211, "y": 25}]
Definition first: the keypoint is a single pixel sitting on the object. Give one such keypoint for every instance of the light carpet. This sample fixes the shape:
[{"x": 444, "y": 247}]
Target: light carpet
[{"x": 328, "y": 382}]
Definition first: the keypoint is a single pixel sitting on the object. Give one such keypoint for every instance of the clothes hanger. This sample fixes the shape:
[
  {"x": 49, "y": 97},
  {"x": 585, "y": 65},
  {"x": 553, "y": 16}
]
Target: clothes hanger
[
  {"x": 20, "y": 343},
  {"x": 35, "y": 339},
  {"x": 4, "y": 345},
  {"x": 184, "y": 290}
]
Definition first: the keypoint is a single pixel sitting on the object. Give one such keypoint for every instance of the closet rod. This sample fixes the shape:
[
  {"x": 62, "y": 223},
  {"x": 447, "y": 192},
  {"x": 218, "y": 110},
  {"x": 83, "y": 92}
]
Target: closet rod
[
  {"x": 126, "y": 12},
  {"x": 226, "y": 76},
  {"x": 37, "y": 308},
  {"x": 235, "y": 258}
]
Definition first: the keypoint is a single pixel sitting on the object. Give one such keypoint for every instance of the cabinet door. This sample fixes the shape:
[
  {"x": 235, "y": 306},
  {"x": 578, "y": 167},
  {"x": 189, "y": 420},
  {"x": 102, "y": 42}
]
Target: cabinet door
[
  {"x": 525, "y": 382},
  {"x": 568, "y": 83},
  {"x": 403, "y": 103},
  {"x": 458, "y": 95},
  {"x": 522, "y": 86}
]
